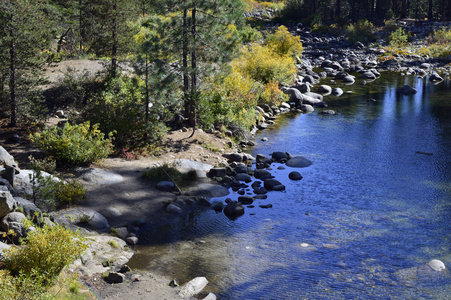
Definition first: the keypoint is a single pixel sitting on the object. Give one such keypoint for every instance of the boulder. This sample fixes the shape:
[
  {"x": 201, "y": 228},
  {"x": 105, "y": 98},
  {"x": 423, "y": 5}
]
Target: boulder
[
  {"x": 85, "y": 217},
  {"x": 217, "y": 172},
  {"x": 98, "y": 176},
  {"x": 324, "y": 89},
  {"x": 23, "y": 182},
  {"x": 337, "y": 92},
  {"x": 406, "y": 90},
  {"x": 246, "y": 199},
  {"x": 435, "y": 271},
  {"x": 279, "y": 156},
  {"x": 173, "y": 209},
  {"x": 7, "y": 203},
  {"x": 29, "y": 208},
  {"x": 131, "y": 240},
  {"x": 261, "y": 173},
  {"x": 243, "y": 177},
  {"x": 234, "y": 209},
  {"x": 7, "y": 160},
  {"x": 193, "y": 287},
  {"x": 263, "y": 159},
  {"x": 328, "y": 112},
  {"x": 298, "y": 162},
  {"x": 187, "y": 165},
  {"x": 233, "y": 157},
  {"x": 115, "y": 277},
  {"x": 307, "y": 108},
  {"x": 271, "y": 183},
  {"x": 295, "y": 96},
  {"x": 5, "y": 185},
  {"x": 13, "y": 221},
  {"x": 435, "y": 77},
  {"x": 348, "y": 79},
  {"x": 166, "y": 186},
  {"x": 368, "y": 75},
  {"x": 295, "y": 175}
]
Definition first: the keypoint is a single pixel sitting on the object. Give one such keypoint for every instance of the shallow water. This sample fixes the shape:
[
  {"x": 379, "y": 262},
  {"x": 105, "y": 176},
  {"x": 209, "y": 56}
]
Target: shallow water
[{"x": 368, "y": 209}]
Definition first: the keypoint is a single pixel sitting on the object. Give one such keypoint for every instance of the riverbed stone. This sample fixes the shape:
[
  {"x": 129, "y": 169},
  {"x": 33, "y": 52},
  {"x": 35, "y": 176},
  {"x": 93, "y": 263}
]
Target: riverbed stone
[
  {"x": 279, "y": 156},
  {"x": 435, "y": 77},
  {"x": 349, "y": 79},
  {"x": 328, "y": 112},
  {"x": 193, "y": 287},
  {"x": 368, "y": 75},
  {"x": 243, "y": 177},
  {"x": 29, "y": 208},
  {"x": 299, "y": 162},
  {"x": 85, "y": 217},
  {"x": 173, "y": 209},
  {"x": 295, "y": 175},
  {"x": 246, "y": 199},
  {"x": 307, "y": 108},
  {"x": 166, "y": 186},
  {"x": 435, "y": 270},
  {"x": 407, "y": 90},
  {"x": 115, "y": 277},
  {"x": 271, "y": 183},
  {"x": 234, "y": 209},
  {"x": 324, "y": 89},
  {"x": 7, "y": 203},
  {"x": 98, "y": 176}
]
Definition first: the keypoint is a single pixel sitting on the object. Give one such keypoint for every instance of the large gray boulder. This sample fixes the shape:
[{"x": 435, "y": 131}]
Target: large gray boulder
[
  {"x": 29, "y": 208},
  {"x": 13, "y": 221},
  {"x": 298, "y": 162},
  {"x": 7, "y": 203},
  {"x": 295, "y": 96},
  {"x": 193, "y": 287},
  {"x": 7, "y": 160},
  {"x": 85, "y": 217},
  {"x": 186, "y": 165},
  {"x": 234, "y": 209},
  {"x": 98, "y": 176},
  {"x": 23, "y": 182}
]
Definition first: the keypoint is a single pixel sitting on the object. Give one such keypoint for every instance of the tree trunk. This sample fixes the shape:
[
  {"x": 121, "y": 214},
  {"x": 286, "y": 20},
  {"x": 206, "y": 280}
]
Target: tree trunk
[
  {"x": 403, "y": 8},
  {"x": 12, "y": 75},
  {"x": 114, "y": 37},
  {"x": 338, "y": 10},
  {"x": 147, "y": 91},
  {"x": 185, "y": 64},
  {"x": 80, "y": 25},
  {"x": 193, "y": 98},
  {"x": 430, "y": 16}
]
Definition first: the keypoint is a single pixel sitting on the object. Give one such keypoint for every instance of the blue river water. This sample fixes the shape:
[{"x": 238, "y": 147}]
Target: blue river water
[{"x": 374, "y": 205}]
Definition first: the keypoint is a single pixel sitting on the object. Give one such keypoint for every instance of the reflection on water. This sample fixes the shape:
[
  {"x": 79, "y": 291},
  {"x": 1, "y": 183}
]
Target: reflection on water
[{"x": 369, "y": 208}]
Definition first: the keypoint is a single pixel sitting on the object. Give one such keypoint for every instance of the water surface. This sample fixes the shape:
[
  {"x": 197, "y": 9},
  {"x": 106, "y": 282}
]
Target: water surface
[{"x": 368, "y": 209}]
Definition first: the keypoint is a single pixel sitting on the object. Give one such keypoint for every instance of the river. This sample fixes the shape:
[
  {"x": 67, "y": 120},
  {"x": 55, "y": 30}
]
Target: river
[{"x": 375, "y": 203}]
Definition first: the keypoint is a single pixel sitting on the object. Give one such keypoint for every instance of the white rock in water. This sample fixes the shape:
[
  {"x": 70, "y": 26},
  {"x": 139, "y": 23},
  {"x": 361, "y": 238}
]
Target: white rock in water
[
  {"x": 193, "y": 287},
  {"x": 304, "y": 245},
  {"x": 437, "y": 265}
]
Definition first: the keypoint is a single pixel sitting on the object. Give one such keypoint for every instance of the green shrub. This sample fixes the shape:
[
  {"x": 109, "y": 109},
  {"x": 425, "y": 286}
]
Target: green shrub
[
  {"x": 362, "y": 31},
  {"x": 68, "y": 193},
  {"x": 118, "y": 108},
  {"x": 272, "y": 95},
  {"x": 46, "y": 252},
  {"x": 441, "y": 36},
  {"x": 398, "y": 37},
  {"x": 249, "y": 35},
  {"x": 47, "y": 164},
  {"x": 74, "y": 145}
]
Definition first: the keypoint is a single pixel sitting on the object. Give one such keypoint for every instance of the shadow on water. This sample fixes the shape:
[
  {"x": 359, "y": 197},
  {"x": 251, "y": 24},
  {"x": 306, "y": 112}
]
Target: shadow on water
[{"x": 373, "y": 205}]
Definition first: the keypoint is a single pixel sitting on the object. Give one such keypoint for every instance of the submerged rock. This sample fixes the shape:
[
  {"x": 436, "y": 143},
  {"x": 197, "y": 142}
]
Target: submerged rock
[
  {"x": 435, "y": 270},
  {"x": 234, "y": 209},
  {"x": 298, "y": 162}
]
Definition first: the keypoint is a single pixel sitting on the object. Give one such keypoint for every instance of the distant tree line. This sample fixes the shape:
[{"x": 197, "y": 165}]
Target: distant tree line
[{"x": 377, "y": 10}]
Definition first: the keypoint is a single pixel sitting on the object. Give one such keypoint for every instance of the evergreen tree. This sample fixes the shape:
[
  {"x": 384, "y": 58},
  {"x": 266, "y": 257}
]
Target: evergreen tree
[{"x": 23, "y": 37}]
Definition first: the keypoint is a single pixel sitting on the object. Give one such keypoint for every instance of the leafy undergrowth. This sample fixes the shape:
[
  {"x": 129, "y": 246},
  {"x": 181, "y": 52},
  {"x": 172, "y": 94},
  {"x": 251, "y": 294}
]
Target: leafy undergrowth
[{"x": 170, "y": 173}]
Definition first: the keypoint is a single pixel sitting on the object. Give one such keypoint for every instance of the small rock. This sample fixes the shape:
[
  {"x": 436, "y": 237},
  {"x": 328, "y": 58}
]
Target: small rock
[
  {"x": 295, "y": 175},
  {"x": 173, "y": 209},
  {"x": 131, "y": 240},
  {"x": 115, "y": 277},
  {"x": 166, "y": 186},
  {"x": 193, "y": 287},
  {"x": 266, "y": 206}
]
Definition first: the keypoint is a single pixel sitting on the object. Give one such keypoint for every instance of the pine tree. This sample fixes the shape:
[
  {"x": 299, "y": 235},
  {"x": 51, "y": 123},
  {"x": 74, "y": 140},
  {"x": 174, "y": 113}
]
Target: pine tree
[{"x": 23, "y": 37}]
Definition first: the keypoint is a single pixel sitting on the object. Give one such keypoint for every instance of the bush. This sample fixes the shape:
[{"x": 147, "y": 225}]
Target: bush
[
  {"x": 170, "y": 172},
  {"x": 283, "y": 43},
  {"x": 398, "y": 37},
  {"x": 68, "y": 193},
  {"x": 249, "y": 35},
  {"x": 74, "y": 145},
  {"x": 261, "y": 63},
  {"x": 48, "y": 250},
  {"x": 229, "y": 100},
  {"x": 272, "y": 95},
  {"x": 362, "y": 31},
  {"x": 441, "y": 36}
]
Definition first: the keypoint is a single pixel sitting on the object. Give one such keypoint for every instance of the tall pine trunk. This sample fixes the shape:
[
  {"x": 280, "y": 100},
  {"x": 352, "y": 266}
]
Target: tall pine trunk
[
  {"x": 12, "y": 75},
  {"x": 185, "y": 63},
  {"x": 193, "y": 98}
]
